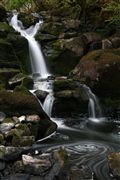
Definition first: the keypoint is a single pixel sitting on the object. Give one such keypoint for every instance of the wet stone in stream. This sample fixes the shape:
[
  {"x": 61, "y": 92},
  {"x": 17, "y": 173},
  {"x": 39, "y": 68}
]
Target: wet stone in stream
[{"x": 50, "y": 165}]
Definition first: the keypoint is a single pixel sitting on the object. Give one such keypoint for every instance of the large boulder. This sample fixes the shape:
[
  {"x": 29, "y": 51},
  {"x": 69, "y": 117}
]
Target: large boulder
[
  {"x": 19, "y": 130},
  {"x": 70, "y": 99},
  {"x": 21, "y": 50},
  {"x": 100, "y": 69},
  {"x": 62, "y": 52}
]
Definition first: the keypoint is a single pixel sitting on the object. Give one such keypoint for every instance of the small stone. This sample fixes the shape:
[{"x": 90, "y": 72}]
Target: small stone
[
  {"x": 32, "y": 118},
  {"x": 15, "y": 119},
  {"x": 2, "y": 116},
  {"x": 36, "y": 165},
  {"x": 21, "y": 118},
  {"x": 5, "y": 127},
  {"x": 106, "y": 44}
]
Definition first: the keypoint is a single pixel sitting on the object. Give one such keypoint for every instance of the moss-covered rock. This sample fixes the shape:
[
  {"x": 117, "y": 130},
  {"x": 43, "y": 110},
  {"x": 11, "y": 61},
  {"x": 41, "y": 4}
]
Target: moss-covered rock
[
  {"x": 19, "y": 103},
  {"x": 114, "y": 164},
  {"x": 21, "y": 50},
  {"x": 70, "y": 99},
  {"x": 101, "y": 70},
  {"x": 4, "y": 29}
]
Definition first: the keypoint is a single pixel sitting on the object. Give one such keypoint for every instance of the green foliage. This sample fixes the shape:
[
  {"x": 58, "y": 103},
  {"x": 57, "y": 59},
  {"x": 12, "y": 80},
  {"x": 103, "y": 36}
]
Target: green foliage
[
  {"x": 27, "y": 5},
  {"x": 114, "y": 9}
]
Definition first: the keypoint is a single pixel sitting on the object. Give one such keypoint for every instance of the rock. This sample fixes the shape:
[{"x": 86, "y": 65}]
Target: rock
[
  {"x": 18, "y": 177},
  {"x": 21, "y": 51},
  {"x": 27, "y": 82},
  {"x": 2, "y": 153},
  {"x": 115, "y": 42},
  {"x": 15, "y": 119},
  {"x": 1, "y": 139},
  {"x": 69, "y": 98},
  {"x": 91, "y": 37},
  {"x": 106, "y": 44},
  {"x": 19, "y": 103},
  {"x": 2, "y": 116},
  {"x": 41, "y": 95},
  {"x": 71, "y": 24},
  {"x": 6, "y": 126},
  {"x": 114, "y": 164},
  {"x": 21, "y": 118},
  {"x": 63, "y": 84},
  {"x": 24, "y": 141},
  {"x": 97, "y": 68},
  {"x": 4, "y": 29},
  {"x": 82, "y": 172},
  {"x": 36, "y": 165},
  {"x": 33, "y": 118},
  {"x": 21, "y": 79},
  {"x": 3, "y": 13}
]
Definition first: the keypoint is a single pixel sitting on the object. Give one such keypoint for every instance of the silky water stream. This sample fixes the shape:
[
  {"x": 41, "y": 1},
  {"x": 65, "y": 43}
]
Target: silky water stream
[{"x": 85, "y": 145}]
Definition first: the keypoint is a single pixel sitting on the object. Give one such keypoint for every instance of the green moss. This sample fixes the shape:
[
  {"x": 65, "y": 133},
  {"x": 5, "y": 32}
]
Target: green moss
[
  {"x": 22, "y": 90},
  {"x": 27, "y": 82},
  {"x": 8, "y": 120},
  {"x": 63, "y": 155},
  {"x": 65, "y": 84},
  {"x": 23, "y": 130},
  {"x": 4, "y": 26}
]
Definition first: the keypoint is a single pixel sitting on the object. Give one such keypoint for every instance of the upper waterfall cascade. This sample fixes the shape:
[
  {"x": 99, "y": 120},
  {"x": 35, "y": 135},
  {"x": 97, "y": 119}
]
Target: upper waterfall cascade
[{"x": 37, "y": 59}]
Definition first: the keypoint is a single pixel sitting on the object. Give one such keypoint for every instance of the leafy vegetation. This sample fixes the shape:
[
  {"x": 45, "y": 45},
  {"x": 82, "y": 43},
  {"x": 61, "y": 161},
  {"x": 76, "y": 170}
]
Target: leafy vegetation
[
  {"x": 114, "y": 8},
  {"x": 26, "y": 5}
]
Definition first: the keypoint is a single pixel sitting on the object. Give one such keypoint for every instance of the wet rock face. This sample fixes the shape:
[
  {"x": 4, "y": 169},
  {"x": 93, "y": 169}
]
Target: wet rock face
[
  {"x": 52, "y": 164},
  {"x": 69, "y": 98},
  {"x": 114, "y": 164}
]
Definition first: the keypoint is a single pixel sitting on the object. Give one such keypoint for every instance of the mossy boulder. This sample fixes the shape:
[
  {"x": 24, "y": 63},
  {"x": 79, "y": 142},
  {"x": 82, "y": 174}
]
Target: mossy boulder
[
  {"x": 19, "y": 103},
  {"x": 100, "y": 69},
  {"x": 64, "y": 53},
  {"x": 4, "y": 29},
  {"x": 70, "y": 99},
  {"x": 21, "y": 50}
]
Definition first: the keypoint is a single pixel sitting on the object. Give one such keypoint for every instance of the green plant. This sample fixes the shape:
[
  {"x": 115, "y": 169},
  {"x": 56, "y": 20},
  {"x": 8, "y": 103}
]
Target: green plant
[{"x": 114, "y": 8}]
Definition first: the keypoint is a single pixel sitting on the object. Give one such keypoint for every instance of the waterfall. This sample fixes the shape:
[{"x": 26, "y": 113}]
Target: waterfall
[
  {"x": 94, "y": 108},
  {"x": 48, "y": 104},
  {"x": 37, "y": 60},
  {"x": 38, "y": 65}
]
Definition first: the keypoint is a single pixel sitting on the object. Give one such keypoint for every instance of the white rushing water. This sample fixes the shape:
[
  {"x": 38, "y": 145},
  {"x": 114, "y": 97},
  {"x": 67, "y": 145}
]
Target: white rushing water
[
  {"x": 37, "y": 60},
  {"x": 39, "y": 68},
  {"x": 94, "y": 109}
]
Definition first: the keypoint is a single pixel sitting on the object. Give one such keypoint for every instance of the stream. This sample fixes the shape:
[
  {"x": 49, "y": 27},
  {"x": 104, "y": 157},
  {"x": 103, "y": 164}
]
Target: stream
[{"x": 85, "y": 145}]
